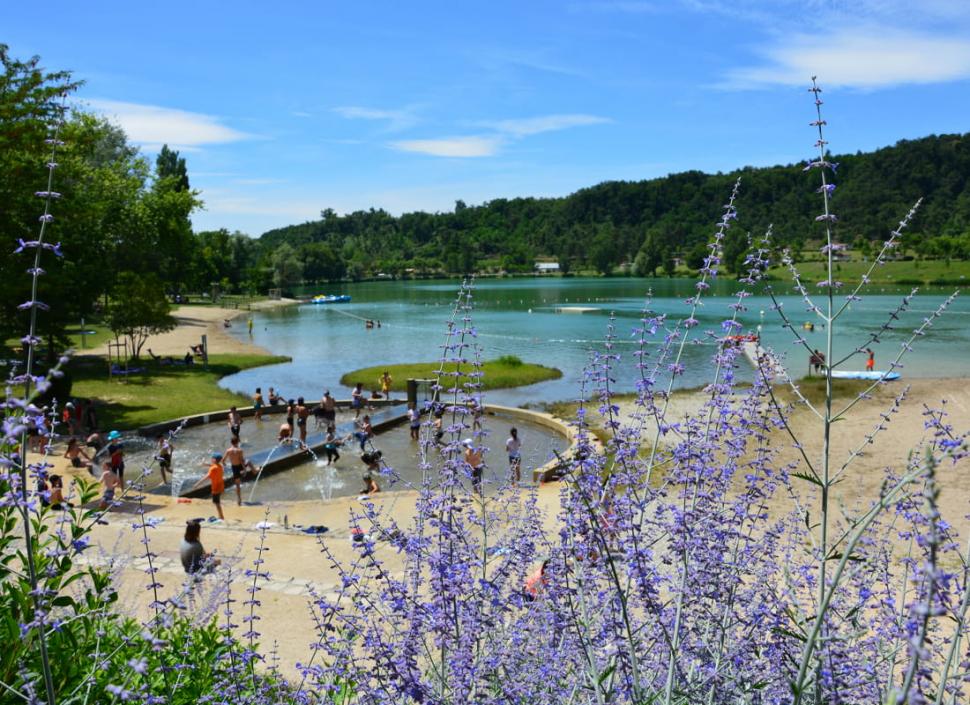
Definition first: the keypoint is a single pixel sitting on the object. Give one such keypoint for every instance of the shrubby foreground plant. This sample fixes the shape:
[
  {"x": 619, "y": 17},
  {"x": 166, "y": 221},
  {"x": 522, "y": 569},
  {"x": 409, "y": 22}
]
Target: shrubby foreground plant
[{"x": 670, "y": 576}]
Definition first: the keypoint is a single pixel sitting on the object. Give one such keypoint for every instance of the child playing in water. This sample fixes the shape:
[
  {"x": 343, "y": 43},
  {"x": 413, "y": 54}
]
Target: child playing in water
[
  {"x": 110, "y": 482},
  {"x": 286, "y": 433},
  {"x": 235, "y": 422},
  {"x": 414, "y": 417},
  {"x": 217, "y": 483},
  {"x": 164, "y": 456},
  {"x": 76, "y": 454},
  {"x": 237, "y": 461}
]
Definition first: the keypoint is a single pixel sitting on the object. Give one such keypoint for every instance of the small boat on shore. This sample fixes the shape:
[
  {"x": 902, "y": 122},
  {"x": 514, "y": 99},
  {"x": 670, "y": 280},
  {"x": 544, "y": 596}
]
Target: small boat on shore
[
  {"x": 871, "y": 375},
  {"x": 330, "y": 299}
]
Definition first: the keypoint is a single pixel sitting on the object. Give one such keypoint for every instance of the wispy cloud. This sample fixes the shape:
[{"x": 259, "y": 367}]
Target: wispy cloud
[
  {"x": 467, "y": 146},
  {"x": 151, "y": 126},
  {"x": 865, "y": 58},
  {"x": 524, "y": 127},
  {"x": 396, "y": 120},
  {"x": 505, "y": 132}
]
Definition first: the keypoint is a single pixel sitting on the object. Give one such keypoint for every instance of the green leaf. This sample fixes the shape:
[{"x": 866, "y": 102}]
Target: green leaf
[{"x": 807, "y": 478}]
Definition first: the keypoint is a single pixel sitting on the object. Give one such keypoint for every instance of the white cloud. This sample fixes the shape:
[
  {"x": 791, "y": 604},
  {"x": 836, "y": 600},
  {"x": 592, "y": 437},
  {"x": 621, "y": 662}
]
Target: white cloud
[
  {"x": 152, "y": 126},
  {"x": 489, "y": 144},
  {"x": 396, "y": 119},
  {"x": 867, "y": 58},
  {"x": 468, "y": 146},
  {"x": 545, "y": 123}
]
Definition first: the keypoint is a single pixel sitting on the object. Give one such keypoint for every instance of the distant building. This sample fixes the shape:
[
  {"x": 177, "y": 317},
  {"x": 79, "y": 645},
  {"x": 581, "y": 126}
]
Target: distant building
[{"x": 547, "y": 267}]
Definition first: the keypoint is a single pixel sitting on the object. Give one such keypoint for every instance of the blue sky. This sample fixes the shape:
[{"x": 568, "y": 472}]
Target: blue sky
[{"x": 284, "y": 109}]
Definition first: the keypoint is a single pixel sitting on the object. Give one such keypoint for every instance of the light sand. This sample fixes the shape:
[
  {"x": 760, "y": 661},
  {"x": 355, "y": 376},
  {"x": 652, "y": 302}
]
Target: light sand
[
  {"x": 294, "y": 558},
  {"x": 196, "y": 321}
]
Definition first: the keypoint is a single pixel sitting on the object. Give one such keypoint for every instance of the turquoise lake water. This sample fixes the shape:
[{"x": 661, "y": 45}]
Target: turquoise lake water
[{"x": 519, "y": 317}]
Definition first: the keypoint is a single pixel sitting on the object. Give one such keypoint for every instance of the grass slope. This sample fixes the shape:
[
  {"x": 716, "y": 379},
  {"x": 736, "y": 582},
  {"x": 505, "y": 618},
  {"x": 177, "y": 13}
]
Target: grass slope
[{"x": 161, "y": 392}]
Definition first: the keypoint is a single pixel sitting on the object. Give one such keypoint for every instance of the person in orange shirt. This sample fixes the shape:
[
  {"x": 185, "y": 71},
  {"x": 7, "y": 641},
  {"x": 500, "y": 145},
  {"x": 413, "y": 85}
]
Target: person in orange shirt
[
  {"x": 871, "y": 360},
  {"x": 216, "y": 482}
]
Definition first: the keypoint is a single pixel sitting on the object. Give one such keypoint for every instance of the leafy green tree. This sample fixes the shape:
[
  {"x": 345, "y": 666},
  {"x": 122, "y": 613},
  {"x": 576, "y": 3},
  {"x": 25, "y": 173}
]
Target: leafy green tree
[
  {"x": 287, "y": 267},
  {"x": 735, "y": 250},
  {"x": 603, "y": 253},
  {"x": 138, "y": 309},
  {"x": 669, "y": 264},
  {"x": 320, "y": 262},
  {"x": 697, "y": 256},
  {"x": 650, "y": 255},
  {"x": 169, "y": 165}
]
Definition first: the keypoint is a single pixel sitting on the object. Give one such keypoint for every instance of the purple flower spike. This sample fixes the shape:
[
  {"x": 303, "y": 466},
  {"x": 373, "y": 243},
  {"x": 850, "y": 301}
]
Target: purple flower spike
[{"x": 27, "y": 305}]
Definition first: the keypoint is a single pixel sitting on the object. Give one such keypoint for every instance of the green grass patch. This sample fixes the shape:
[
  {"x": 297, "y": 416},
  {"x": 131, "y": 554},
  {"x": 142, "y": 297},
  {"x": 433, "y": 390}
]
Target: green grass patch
[
  {"x": 507, "y": 371},
  {"x": 813, "y": 389},
  {"x": 100, "y": 334},
  {"x": 895, "y": 273},
  {"x": 161, "y": 392}
]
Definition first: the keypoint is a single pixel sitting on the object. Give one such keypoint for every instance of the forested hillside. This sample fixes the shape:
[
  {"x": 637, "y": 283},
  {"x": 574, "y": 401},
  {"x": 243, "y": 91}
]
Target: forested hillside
[{"x": 611, "y": 223}]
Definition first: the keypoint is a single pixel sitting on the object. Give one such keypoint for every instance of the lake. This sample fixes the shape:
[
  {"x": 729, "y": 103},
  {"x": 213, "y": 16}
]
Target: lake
[{"x": 518, "y": 316}]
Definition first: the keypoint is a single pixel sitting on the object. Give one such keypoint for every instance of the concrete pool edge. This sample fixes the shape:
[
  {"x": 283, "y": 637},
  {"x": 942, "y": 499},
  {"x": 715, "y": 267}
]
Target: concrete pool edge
[{"x": 384, "y": 420}]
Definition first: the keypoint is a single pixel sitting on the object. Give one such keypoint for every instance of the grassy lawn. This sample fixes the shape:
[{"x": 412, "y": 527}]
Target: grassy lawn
[
  {"x": 101, "y": 335},
  {"x": 499, "y": 374},
  {"x": 902, "y": 273},
  {"x": 161, "y": 392}
]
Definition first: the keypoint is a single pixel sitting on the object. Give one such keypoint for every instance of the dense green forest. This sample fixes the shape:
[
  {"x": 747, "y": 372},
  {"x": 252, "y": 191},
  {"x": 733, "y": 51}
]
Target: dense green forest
[
  {"x": 649, "y": 223},
  {"x": 120, "y": 217}
]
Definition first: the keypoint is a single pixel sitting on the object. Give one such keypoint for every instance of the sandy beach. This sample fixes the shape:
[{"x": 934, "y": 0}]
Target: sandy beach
[{"x": 196, "y": 321}]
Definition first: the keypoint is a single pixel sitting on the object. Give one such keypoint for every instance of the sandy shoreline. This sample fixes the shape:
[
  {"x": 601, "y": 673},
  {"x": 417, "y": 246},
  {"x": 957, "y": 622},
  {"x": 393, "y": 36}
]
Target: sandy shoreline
[{"x": 196, "y": 321}]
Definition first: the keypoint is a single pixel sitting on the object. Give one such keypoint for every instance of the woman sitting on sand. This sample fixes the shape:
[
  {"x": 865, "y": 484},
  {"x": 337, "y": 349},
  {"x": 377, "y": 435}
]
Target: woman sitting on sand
[{"x": 193, "y": 555}]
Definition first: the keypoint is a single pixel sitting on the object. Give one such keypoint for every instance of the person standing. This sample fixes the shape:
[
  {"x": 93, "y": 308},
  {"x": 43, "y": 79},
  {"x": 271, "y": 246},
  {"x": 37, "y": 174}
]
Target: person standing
[
  {"x": 330, "y": 445},
  {"x": 237, "y": 462},
  {"x": 473, "y": 458},
  {"x": 414, "y": 417},
  {"x": 235, "y": 422},
  {"x": 290, "y": 415},
  {"x": 217, "y": 483},
  {"x": 357, "y": 399},
  {"x": 116, "y": 453},
  {"x": 385, "y": 381},
  {"x": 302, "y": 414},
  {"x": 365, "y": 433},
  {"x": 871, "y": 360},
  {"x": 164, "y": 456},
  {"x": 329, "y": 409},
  {"x": 110, "y": 483},
  {"x": 513, "y": 447},
  {"x": 258, "y": 402}
]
